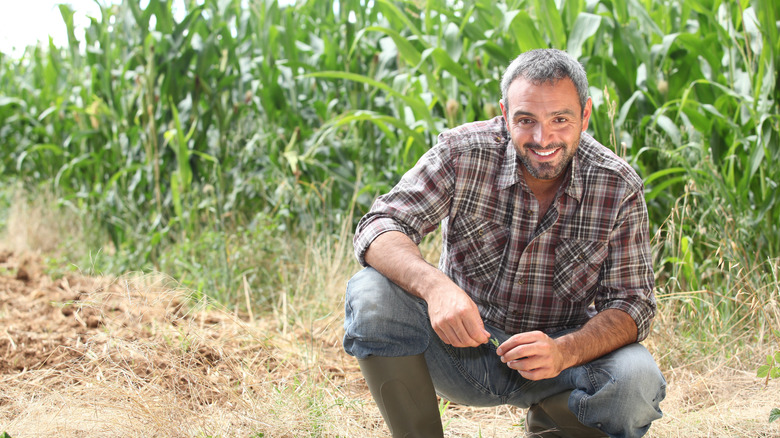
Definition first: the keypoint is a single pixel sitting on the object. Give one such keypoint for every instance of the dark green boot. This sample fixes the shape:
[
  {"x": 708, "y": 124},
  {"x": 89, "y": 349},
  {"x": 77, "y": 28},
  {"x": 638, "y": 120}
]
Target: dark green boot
[
  {"x": 551, "y": 418},
  {"x": 403, "y": 391}
]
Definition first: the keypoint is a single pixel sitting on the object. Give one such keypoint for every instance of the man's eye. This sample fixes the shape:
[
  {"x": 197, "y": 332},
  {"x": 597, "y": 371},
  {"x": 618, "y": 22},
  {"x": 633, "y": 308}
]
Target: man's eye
[
  {"x": 524, "y": 122},
  {"x": 560, "y": 120}
]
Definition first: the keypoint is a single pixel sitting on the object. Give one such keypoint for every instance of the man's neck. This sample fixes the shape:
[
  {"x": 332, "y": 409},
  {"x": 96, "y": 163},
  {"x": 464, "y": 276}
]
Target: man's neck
[{"x": 544, "y": 189}]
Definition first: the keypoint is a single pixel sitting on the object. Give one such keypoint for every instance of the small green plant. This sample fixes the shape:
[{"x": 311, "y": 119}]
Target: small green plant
[
  {"x": 774, "y": 415},
  {"x": 772, "y": 368},
  {"x": 443, "y": 406},
  {"x": 771, "y": 371},
  {"x": 495, "y": 342}
]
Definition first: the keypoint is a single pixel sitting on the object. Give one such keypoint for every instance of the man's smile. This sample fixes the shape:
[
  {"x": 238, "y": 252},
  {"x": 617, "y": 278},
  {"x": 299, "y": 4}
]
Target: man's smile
[
  {"x": 543, "y": 153},
  {"x": 546, "y": 162}
]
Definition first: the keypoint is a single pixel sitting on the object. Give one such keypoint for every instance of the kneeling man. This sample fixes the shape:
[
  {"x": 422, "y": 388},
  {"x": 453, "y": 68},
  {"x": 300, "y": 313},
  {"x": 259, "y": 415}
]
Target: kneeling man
[{"x": 545, "y": 253}]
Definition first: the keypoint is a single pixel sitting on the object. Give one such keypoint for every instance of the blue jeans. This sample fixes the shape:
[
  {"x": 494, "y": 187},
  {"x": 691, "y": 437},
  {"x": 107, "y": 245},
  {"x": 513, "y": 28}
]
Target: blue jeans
[{"x": 618, "y": 393}]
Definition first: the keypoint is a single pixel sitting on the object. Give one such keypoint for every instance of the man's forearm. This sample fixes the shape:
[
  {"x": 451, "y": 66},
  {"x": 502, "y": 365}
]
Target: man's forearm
[
  {"x": 398, "y": 258},
  {"x": 454, "y": 316},
  {"x": 604, "y": 333}
]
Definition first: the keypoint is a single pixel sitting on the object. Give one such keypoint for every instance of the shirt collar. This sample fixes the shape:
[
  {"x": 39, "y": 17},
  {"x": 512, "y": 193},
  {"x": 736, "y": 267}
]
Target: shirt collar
[
  {"x": 575, "y": 182},
  {"x": 508, "y": 173}
]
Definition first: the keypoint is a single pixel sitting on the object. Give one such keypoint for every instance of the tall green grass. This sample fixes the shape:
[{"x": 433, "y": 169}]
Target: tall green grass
[{"x": 195, "y": 141}]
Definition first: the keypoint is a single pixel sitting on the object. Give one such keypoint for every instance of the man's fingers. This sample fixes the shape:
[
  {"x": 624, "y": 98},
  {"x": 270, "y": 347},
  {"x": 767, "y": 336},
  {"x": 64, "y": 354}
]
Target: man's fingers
[
  {"x": 532, "y": 354},
  {"x": 446, "y": 334},
  {"x": 537, "y": 374},
  {"x": 461, "y": 336},
  {"x": 458, "y": 336},
  {"x": 449, "y": 335},
  {"x": 517, "y": 353},
  {"x": 456, "y": 319},
  {"x": 471, "y": 331},
  {"x": 531, "y": 368},
  {"x": 478, "y": 334},
  {"x": 443, "y": 336},
  {"x": 517, "y": 346}
]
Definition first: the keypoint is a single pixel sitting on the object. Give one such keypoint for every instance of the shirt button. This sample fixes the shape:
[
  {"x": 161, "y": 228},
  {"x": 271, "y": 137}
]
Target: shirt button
[
  {"x": 529, "y": 212},
  {"x": 520, "y": 280}
]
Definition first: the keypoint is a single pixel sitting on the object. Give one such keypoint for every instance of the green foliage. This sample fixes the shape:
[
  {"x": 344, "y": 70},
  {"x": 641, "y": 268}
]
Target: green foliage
[
  {"x": 772, "y": 368},
  {"x": 197, "y": 139}
]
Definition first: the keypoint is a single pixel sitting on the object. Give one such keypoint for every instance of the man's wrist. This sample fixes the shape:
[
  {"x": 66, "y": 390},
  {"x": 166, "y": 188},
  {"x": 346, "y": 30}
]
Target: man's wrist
[
  {"x": 568, "y": 350},
  {"x": 430, "y": 282}
]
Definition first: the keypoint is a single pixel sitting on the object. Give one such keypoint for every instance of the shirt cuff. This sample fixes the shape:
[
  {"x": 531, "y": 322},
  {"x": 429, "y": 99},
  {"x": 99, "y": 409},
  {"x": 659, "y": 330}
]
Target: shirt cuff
[{"x": 640, "y": 310}]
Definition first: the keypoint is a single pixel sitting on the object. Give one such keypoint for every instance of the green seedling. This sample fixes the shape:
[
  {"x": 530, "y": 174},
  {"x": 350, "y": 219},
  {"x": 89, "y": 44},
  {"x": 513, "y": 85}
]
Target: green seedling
[
  {"x": 771, "y": 371},
  {"x": 494, "y": 341}
]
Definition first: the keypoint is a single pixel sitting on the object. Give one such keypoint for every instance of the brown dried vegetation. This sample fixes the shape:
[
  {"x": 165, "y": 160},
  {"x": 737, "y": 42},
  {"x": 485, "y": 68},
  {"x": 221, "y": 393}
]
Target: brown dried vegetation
[{"x": 135, "y": 356}]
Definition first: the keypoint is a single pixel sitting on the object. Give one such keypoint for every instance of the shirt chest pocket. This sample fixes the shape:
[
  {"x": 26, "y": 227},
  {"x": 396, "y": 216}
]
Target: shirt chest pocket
[
  {"x": 477, "y": 247},
  {"x": 577, "y": 266}
]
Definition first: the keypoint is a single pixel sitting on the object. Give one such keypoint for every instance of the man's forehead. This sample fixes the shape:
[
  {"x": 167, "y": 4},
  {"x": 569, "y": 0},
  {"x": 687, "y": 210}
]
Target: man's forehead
[
  {"x": 524, "y": 93},
  {"x": 563, "y": 87}
]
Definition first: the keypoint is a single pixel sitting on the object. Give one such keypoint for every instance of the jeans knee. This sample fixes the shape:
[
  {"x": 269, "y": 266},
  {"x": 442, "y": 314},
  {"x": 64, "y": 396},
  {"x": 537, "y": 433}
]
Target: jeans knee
[
  {"x": 621, "y": 392},
  {"x": 369, "y": 295},
  {"x": 640, "y": 370}
]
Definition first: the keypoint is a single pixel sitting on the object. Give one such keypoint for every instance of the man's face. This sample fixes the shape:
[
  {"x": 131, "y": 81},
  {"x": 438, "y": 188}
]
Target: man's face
[{"x": 545, "y": 122}]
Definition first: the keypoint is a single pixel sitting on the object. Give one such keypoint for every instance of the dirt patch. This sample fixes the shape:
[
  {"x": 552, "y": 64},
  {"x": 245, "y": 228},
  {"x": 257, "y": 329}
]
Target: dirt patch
[
  {"x": 137, "y": 356},
  {"x": 49, "y": 324},
  {"x": 123, "y": 357}
]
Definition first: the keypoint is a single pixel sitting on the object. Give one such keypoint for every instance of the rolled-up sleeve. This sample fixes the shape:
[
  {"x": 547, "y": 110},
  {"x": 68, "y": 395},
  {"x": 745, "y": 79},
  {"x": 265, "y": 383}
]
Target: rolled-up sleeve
[
  {"x": 415, "y": 206},
  {"x": 627, "y": 275}
]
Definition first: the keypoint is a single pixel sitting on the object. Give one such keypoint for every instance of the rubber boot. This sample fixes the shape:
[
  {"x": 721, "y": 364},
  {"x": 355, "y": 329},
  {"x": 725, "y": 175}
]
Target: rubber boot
[
  {"x": 551, "y": 418},
  {"x": 403, "y": 391}
]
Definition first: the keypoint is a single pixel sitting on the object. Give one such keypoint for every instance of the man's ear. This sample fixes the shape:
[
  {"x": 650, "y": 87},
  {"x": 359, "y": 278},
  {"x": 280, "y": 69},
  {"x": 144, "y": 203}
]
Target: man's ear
[
  {"x": 586, "y": 112},
  {"x": 503, "y": 112}
]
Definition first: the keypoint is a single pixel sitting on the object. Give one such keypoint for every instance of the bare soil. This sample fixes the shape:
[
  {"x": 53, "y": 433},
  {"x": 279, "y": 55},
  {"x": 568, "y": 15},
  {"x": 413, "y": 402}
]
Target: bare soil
[{"x": 137, "y": 356}]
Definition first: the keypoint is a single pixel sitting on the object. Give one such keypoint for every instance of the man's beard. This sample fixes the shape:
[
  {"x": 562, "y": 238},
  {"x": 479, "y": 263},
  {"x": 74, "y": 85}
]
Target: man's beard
[{"x": 547, "y": 170}]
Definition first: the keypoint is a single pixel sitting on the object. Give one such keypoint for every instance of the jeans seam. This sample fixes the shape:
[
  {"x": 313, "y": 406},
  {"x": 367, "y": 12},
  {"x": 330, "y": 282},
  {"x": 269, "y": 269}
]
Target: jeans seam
[
  {"x": 462, "y": 370},
  {"x": 520, "y": 389},
  {"x": 593, "y": 381}
]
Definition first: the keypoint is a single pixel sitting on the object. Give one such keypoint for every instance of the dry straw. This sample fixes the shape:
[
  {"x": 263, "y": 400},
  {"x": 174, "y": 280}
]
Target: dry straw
[{"x": 134, "y": 356}]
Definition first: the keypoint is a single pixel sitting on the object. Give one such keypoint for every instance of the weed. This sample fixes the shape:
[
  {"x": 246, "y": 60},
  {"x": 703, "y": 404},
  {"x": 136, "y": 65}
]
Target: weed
[{"x": 771, "y": 370}]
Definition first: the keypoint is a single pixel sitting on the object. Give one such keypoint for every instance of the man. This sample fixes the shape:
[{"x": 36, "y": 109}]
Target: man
[{"x": 545, "y": 250}]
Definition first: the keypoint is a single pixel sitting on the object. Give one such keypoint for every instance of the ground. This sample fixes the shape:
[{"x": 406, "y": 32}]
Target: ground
[{"x": 138, "y": 356}]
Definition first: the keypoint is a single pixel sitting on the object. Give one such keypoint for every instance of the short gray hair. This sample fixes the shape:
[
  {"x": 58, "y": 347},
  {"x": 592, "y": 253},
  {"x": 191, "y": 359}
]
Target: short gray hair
[{"x": 543, "y": 66}]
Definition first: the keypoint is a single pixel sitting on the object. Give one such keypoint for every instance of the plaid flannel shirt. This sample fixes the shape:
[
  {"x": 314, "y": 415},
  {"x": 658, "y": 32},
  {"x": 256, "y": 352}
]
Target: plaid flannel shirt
[{"x": 588, "y": 253}]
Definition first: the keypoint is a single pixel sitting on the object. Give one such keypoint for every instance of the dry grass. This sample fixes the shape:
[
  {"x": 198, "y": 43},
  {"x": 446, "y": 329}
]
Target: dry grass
[
  {"x": 135, "y": 356},
  {"x": 33, "y": 226},
  {"x": 134, "y": 360}
]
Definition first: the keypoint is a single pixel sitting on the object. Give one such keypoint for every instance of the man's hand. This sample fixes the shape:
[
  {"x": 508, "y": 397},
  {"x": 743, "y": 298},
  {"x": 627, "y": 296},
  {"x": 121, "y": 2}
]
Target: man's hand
[
  {"x": 534, "y": 355},
  {"x": 455, "y": 317}
]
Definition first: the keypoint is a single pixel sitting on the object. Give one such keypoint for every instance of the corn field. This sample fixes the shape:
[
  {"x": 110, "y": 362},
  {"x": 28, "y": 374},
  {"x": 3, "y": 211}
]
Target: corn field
[{"x": 194, "y": 139}]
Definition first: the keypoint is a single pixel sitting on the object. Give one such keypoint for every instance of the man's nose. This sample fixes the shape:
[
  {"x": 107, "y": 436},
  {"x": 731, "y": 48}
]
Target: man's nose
[{"x": 541, "y": 134}]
